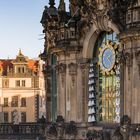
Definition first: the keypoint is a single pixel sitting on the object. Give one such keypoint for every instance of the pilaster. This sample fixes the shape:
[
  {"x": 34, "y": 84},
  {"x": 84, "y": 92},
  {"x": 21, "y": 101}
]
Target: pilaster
[{"x": 131, "y": 41}]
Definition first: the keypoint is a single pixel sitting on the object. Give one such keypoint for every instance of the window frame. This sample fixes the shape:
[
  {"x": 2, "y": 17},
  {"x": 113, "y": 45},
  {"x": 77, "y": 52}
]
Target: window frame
[
  {"x": 5, "y": 103},
  {"x": 14, "y": 102}
]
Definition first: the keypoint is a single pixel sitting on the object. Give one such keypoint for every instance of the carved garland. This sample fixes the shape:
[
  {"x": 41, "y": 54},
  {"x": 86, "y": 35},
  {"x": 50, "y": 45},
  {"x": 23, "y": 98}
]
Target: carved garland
[
  {"x": 61, "y": 69},
  {"x": 73, "y": 72}
]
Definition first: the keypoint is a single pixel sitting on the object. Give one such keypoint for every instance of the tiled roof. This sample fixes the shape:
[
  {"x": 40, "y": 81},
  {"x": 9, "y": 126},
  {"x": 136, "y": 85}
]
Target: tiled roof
[{"x": 8, "y": 64}]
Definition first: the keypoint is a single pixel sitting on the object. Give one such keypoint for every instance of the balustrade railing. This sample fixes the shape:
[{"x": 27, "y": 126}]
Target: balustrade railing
[{"x": 22, "y": 129}]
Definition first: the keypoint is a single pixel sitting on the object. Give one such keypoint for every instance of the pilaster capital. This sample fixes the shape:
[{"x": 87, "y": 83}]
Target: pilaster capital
[
  {"x": 129, "y": 36},
  {"x": 128, "y": 58},
  {"x": 61, "y": 68},
  {"x": 72, "y": 68},
  {"x": 83, "y": 64}
]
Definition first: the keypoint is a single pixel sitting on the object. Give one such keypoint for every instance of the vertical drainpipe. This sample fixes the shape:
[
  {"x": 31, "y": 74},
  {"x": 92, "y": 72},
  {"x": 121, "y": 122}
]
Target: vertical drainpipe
[{"x": 53, "y": 90}]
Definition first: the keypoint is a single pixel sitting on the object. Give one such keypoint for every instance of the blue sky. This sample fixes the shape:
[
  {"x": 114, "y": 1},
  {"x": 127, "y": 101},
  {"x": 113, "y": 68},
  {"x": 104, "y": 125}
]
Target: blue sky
[{"x": 20, "y": 27}]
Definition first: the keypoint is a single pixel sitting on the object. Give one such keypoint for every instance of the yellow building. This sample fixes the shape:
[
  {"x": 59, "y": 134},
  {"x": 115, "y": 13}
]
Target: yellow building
[{"x": 22, "y": 89}]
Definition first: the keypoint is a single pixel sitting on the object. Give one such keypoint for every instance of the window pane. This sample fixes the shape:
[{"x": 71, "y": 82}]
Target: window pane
[
  {"x": 23, "y": 117},
  {"x": 6, "y": 117},
  {"x": 18, "y": 83},
  {"x": 5, "y": 102},
  {"x": 14, "y": 102},
  {"x": 23, "y": 102},
  {"x": 23, "y": 83}
]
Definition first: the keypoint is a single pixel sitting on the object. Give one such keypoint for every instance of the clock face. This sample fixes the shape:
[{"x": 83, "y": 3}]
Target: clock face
[{"x": 108, "y": 58}]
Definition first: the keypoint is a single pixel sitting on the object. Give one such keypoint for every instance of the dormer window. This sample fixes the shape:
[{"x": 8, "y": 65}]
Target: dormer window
[{"x": 21, "y": 69}]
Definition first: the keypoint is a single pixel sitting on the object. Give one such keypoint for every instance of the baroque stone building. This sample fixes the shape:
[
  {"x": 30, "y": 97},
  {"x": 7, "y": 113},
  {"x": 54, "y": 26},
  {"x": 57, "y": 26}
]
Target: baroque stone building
[
  {"x": 22, "y": 90},
  {"x": 92, "y": 69}
]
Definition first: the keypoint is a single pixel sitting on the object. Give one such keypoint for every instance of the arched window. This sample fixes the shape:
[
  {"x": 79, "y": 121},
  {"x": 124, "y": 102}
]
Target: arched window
[{"x": 104, "y": 81}]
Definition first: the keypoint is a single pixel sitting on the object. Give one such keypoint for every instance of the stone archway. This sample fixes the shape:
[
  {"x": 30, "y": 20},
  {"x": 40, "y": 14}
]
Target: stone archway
[
  {"x": 92, "y": 35},
  {"x": 91, "y": 39}
]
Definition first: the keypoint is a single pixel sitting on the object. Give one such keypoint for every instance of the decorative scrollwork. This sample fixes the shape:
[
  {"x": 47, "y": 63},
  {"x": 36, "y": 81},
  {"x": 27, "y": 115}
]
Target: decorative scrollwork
[
  {"x": 125, "y": 123},
  {"x": 53, "y": 129},
  {"x": 94, "y": 134},
  {"x": 128, "y": 58},
  {"x": 61, "y": 68},
  {"x": 72, "y": 68},
  {"x": 73, "y": 72},
  {"x": 60, "y": 119},
  {"x": 71, "y": 128}
]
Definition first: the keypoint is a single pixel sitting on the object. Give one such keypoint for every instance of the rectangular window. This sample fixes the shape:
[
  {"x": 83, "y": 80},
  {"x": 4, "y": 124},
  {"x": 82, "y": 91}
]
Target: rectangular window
[
  {"x": 18, "y": 83},
  {"x": 5, "y": 102},
  {"x": 14, "y": 102},
  {"x": 23, "y": 102},
  {"x": 36, "y": 84},
  {"x": 23, "y": 117},
  {"x": 23, "y": 70},
  {"x": 23, "y": 83},
  {"x": 128, "y": 17},
  {"x": 5, "y": 83},
  {"x": 19, "y": 70},
  {"x": 6, "y": 117}
]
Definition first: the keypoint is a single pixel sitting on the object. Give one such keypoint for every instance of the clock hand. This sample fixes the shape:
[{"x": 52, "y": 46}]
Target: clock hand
[
  {"x": 110, "y": 56},
  {"x": 108, "y": 59}
]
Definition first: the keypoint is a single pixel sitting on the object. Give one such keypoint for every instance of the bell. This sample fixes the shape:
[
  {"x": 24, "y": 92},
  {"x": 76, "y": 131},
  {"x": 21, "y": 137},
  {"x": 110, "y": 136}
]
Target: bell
[
  {"x": 117, "y": 101},
  {"x": 91, "y": 70},
  {"x": 89, "y": 88},
  {"x": 92, "y": 88},
  {"x": 92, "y": 102},
  {"x": 93, "y": 119},
  {"x": 89, "y": 111},
  {"x": 89, "y": 103},
  {"x": 91, "y": 65},
  {"x": 89, "y": 82},
  {"x": 92, "y": 95},
  {"x": 90, "y": 119},
  {"x": 92, "y": 110},
  {"x": 117, "y": 110},
  {"x": 90, "y": 75}
]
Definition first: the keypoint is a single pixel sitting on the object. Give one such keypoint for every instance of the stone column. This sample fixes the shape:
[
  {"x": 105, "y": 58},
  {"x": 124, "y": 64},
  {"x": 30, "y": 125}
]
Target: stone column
[
  {"x": 61, "y": 89},
  {"x": 82, "y": 90}
]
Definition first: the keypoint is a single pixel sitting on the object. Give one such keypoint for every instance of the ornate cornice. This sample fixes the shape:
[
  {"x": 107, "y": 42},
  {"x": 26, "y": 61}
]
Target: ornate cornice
[{"x": 129, "y": 35}]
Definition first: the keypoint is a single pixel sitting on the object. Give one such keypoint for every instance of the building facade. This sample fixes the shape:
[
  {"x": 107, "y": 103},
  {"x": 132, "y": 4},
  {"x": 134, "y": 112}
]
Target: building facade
[
  {"x": 92, "y": 67},
  {"x": 22, "y": 90}
]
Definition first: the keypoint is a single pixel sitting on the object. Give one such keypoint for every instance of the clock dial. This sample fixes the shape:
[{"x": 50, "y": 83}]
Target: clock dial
[{"x": 108, "y": 58}]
